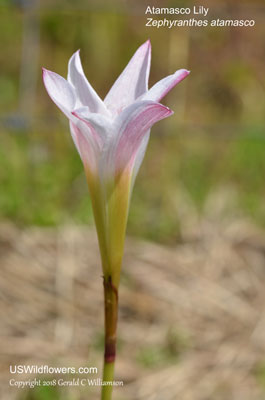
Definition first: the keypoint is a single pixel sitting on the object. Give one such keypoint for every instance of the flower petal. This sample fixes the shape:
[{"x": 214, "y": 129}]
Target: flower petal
[
  {"x": 85, "y": 145},
  {"x": 86, "y": 95},
  {"x": 100, "y": 125},
  {"x": 131, "y": 126},
  {"x": 140, "y": 153},
  {"x": 132, "y": 82},
  {"x": 60, "y": 91},
  {"x": 74, "y": 136},
  {"x": 161, "y": 88},
  {"x": 63, "y": 95}
]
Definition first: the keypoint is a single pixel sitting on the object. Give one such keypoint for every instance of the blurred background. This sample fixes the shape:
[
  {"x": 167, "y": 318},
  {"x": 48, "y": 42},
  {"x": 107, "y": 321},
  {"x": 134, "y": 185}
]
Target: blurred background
[{"x": 192, "y": 299}]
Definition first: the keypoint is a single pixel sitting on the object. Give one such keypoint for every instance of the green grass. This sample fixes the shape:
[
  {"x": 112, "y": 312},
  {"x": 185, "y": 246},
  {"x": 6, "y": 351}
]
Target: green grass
[
  {"x": 41, "y": 176},
  {"x": 43, "y": 182},
  {"x": 151, "y": 356},
  {"x": 259, "y": 373},
  {"x": 43, "y": 393}
]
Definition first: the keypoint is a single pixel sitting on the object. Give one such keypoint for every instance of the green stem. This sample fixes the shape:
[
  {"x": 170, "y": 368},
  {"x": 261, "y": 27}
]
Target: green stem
[
  {"x": 108, "y": 375},
  {"x": 111, "y": 316}
]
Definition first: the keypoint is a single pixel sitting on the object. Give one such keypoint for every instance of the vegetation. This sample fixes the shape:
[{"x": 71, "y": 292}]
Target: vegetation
[{"x": 214, "y": 140}]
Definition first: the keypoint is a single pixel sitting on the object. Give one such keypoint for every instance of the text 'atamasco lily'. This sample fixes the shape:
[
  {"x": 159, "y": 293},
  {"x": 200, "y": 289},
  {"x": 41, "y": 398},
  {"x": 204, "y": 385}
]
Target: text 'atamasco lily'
[{"x": 111, "y": 137}]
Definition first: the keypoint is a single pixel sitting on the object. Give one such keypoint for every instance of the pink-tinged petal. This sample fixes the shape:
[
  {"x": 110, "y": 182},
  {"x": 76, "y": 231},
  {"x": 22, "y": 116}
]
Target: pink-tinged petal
[
  {"x": 100, "y": 125},
  {"x": 85, "y": 145},
  {"x": 161, "y": 88},
  {"x": 60, "y": 91},
  {"x": 132, "y": 82},
  {"x": 74, "y": 136},
  {"x": 131, "y": 126},
  {"x": 86, "y": 95},
  {"x": 134, "y": 127},
  {"x": 140, "y": 153}
]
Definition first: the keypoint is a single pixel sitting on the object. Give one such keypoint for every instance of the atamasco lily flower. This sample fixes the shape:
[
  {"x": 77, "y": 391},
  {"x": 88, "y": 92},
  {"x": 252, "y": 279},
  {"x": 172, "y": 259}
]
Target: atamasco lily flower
[{"x": 111, "y": 137}]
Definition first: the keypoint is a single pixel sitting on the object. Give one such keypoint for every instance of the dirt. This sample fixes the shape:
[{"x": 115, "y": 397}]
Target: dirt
[{"x": 191, "y": 316}]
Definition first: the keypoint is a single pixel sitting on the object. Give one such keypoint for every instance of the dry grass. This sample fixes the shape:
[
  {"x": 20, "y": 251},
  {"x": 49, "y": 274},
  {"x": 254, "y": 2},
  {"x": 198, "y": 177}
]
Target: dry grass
[{"x": 192, "y": 317}]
